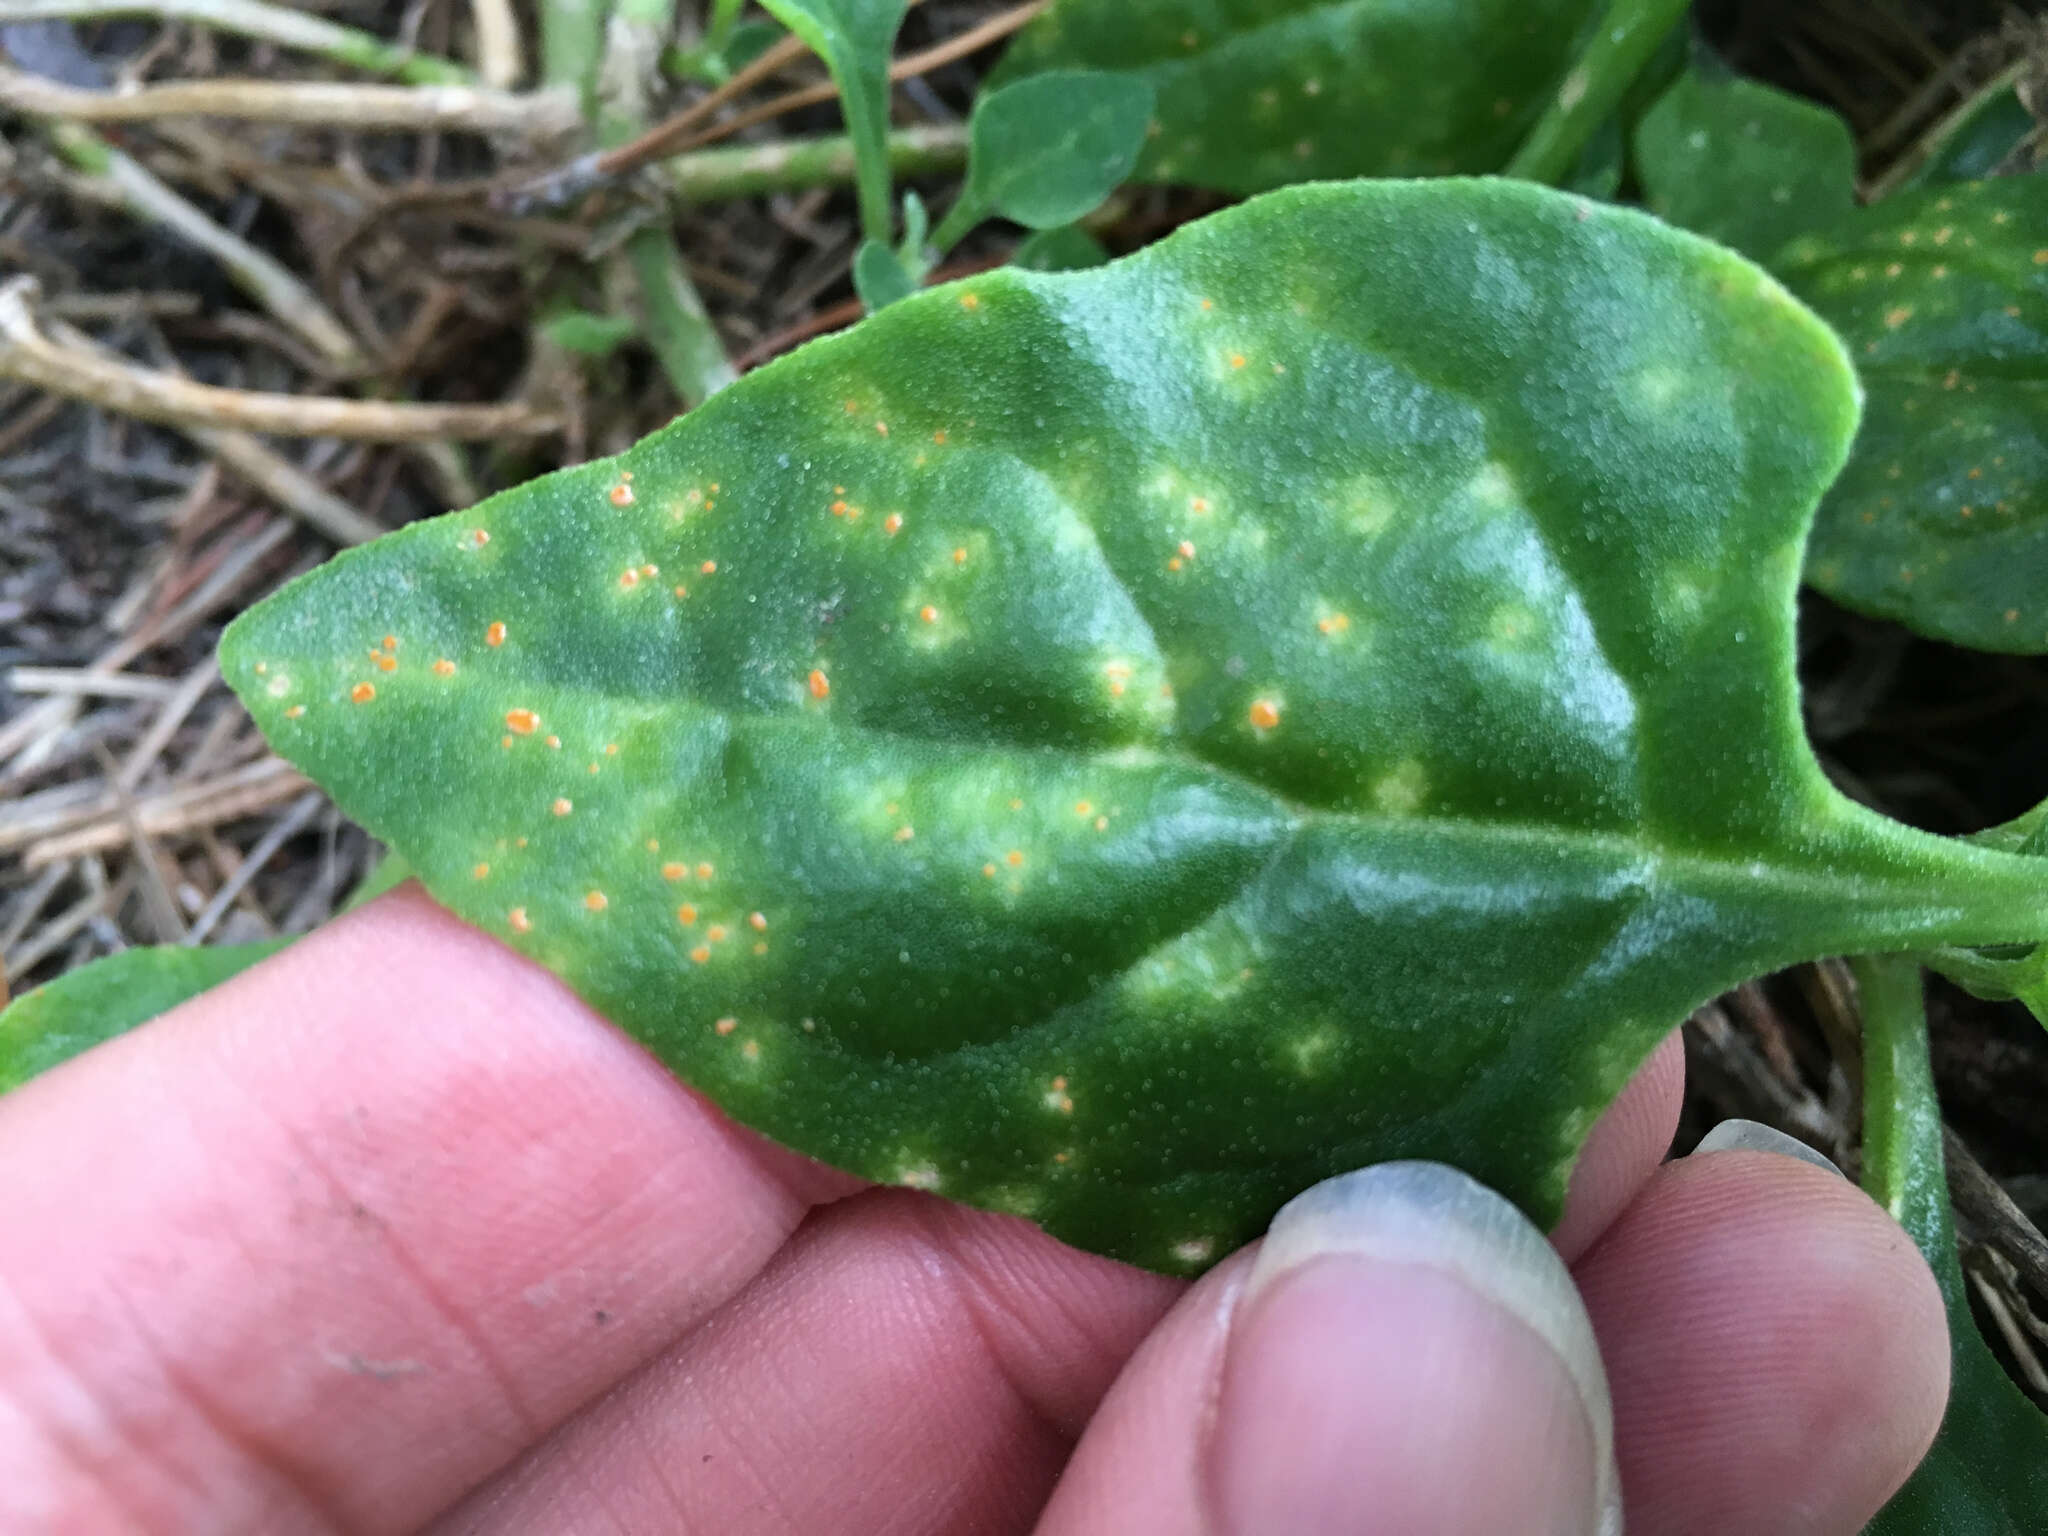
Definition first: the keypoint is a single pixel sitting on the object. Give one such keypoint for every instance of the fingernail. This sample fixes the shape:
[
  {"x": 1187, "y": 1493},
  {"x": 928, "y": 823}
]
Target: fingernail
[
  {"x": 1755, "y": 1136},
  {"x": 1409, "y": 1354}
]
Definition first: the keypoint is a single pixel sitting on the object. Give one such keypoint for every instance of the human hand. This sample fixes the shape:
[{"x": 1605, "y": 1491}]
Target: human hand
[{"x": 391, "y": 1233}]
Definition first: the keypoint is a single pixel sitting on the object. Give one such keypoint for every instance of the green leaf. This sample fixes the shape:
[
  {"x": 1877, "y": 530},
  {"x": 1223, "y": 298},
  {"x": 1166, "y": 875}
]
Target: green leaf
[
  {"x": 878, "y": 276},
  {"x": 1941, "y": 519},
  {"x": 587, "y": 334},
  {"x": 109, "y": 997},
  {"x": 1048, "y": 148},
  {"x": 854, "y": 38},
  {"x": 112, "y": 995},
  {"x": 1744, "y": 163},
  {"x": 1987, "y": 1474},
  {"x": 1120, "y": 746},
  {"x": 1257, "y": 96},
  {"x": 1069, "y": 248},
  {"x": 1991, "y": 134}
]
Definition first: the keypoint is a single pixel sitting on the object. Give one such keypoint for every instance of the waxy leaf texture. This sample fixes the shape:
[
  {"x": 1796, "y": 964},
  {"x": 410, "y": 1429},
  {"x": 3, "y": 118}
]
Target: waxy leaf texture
[
  {"x": 1120, "y": 746},
  {"x": 1255, "y": 96}
]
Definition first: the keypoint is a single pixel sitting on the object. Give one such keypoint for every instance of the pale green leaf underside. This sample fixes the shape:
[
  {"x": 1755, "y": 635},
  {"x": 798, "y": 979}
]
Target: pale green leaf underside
[
  {"x": 1941, "y": 518},
  {"x": 1120, "y": 746},
  {"x": 1743, "y": 163},
  {"x": 1254, "y": 94}
]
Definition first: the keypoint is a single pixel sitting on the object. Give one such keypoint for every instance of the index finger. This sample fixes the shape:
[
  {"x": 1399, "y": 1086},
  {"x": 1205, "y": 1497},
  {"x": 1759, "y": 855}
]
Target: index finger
[{"x": 331, "y": 1243}]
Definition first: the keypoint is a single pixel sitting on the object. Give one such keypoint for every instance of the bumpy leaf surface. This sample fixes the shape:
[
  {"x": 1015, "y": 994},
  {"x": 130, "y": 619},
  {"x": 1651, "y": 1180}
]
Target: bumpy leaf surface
[
  {"x": 1120, "y": 746},
  {"x": 1743, "y": 162},
  {"x": 1941, "y": 519},
  {"x": 1256, "y": 94}
]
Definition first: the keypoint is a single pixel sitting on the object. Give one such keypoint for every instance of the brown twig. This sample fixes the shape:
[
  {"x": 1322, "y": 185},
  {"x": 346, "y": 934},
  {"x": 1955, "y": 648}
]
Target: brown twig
[{"x": 26, "y": 354}]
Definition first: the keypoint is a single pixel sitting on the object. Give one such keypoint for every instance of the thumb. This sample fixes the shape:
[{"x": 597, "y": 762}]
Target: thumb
[{"x": 1404, "y": 1353}]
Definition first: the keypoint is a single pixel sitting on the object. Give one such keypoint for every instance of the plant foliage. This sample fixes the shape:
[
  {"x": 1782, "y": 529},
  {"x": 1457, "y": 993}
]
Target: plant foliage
[
  {"x": 1252, "y": 97},
  {"x": 1119, "y": 746}
]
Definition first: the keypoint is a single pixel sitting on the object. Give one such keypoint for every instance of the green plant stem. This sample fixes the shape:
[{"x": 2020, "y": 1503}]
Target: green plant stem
[
  {"x": 789, "y": 165},
  {"x": 1902, "y": 1163},
  {"x": 124, "y": 182},
  {"x": 572, "y": 47},
  {"x": 269, "y": 23},
  {"x": 1628, "y": 35},
  {"x": 725, "y": 15},
  {"x": 679, "y": 329},
  {"x": 966, "y": 212}
]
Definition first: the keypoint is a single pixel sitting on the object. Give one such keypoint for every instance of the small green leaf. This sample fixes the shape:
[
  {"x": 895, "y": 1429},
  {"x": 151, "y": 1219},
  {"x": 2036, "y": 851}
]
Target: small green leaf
[
  {"x": 1120, "y": 746},
  {"x": 587, "y": 334},
  {"x": 114, "y": 994},
  {"x": 109, "y": 997},
  {"x": 854, "y": 38},
  {"x": 1744, "y": 163},
  {"x": 1069, "y": 248},
  {"x": 1941, "y": 519},
  {"x": 1987, "y": 1474},
  {"x": 1258, "y": 96},
  {"x": 1048, "y": 148},
  {"x": 878, "y": 276},
  {"x": 748, "y": 41}
]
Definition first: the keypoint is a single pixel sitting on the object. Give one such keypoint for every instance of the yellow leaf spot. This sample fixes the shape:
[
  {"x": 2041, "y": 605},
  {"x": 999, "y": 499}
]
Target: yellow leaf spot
[
  {"x": 969, "y": 301},
  {"x": 362, "y": 693},
  {"x": 1014, "y": 858},
  {"x": 562, "y": 806},
  {"x": 480, "y": 871},
  {"x": 819, "y": 684},
  {"x": 478, "y": 538},
  {"x": 686, "y": 914},
  {"x": 622, "y": 495},
  {"x": 1264, "y": 714},
  {"x": 1894, "y": 318},
  {"x": 673, "y": 871},
  {"x": 701, "y": 954},
  {"x": 704, "y": 871},
  {"x": 904, "y": 834},
  {"x": 882, "y": 428},
  {"x": 726, "y": 1026},
  {"x": 929, "y": 614},
  {"x": 495, "y": 635},
  {"x": 1083, "y": 808},
  {"x": 715, "y": 933},
  {"x": 709, "y": 567},
  {"x": 757, "y": 921},
  {"x": 523, "y": 722},
  {"x": 892, "y": 522},
  {"x": 988, "y": 871},
  {"x": 444, "y": 668},
  {"x": 295, "y": 711},
  {"x": 960, "y": 555},
  {"x": 519, "y": 920},
  {"x": 595, "y": 900},
  {"x": 629, "y": 578},
  {"x": 555, "y": 742}
]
